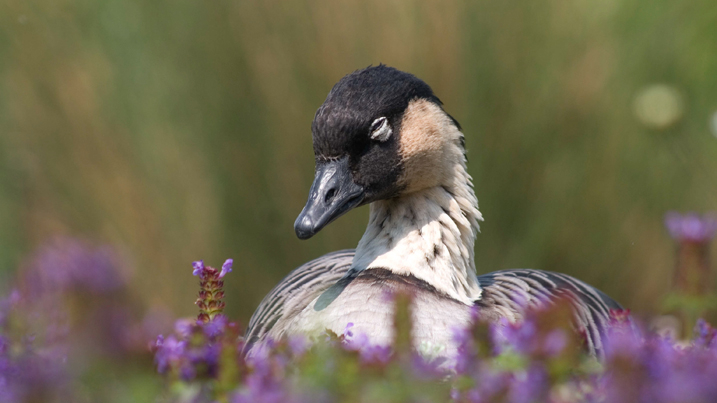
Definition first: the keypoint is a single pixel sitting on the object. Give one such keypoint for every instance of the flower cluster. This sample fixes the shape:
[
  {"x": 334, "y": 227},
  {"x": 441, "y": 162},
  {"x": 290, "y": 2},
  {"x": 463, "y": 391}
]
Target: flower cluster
[
  {"x": 691, "y": 227},
  {"x": 540, "y": 359},
  {"x": 69, "y": 309},
  {"x": 657, "y": 369},
  {"x": 692, "y": 294},
  {"x": 194, "y": 351},
  {"x": 200, "y": 347},
  {"x": 70, "y": 316}
]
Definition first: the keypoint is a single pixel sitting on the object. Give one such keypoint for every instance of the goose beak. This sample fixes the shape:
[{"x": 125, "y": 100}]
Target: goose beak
[{"x": 332, "y": 194}]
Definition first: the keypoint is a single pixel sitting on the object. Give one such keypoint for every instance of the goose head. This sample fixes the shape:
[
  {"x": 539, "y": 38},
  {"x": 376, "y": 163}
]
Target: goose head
[{"x": 380, "y": 134}]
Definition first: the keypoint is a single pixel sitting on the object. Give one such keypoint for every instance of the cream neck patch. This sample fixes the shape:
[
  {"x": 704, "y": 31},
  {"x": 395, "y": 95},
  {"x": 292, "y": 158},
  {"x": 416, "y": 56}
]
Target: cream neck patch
[{"x": 429, "y": 233}]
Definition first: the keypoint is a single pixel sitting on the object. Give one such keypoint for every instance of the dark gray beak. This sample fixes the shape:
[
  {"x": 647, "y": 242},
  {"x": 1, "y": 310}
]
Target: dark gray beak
[{"x": 332, "y": 194}]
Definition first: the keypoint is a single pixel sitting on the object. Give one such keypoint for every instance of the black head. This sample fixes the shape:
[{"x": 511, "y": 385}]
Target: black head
[{"x": 357, "y": 134}]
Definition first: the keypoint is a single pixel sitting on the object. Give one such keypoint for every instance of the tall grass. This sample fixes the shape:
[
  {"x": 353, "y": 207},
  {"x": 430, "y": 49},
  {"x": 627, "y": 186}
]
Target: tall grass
[{"x": 181, "y": 129}]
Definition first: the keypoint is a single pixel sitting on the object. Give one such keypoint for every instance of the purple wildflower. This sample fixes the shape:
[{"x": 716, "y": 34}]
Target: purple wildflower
[
  {"x": 520, "y": 336},
  {"x": 298, "y": 345},
  {"x": 489, "y": 386},
  {"x": 198, "y": 268},
  {"x": 347, "y": 331},
  {"x": 68, "y": 264},
  {"x": 202, "y": 356},
  {"x": 211, "y": 294},
  {"x": 376, "y": 354},
  {"x": 555, "y": 342},
  {"x": 691, "y": 227},
  {"x": 187, "y": 372},
  {"x": 621, "y": 344},
  {"x": 4, "y": 344},
  {"x": 31, "y": 377},
  {"x": 369, "y": 353},
  {"x": 262, "y": 387},
  {"x": 261, "y": 352},
  {"x": 532, "y": 386},
  {"x": 184, "y": 326},
  {"x": 705, "y": 335},
  {"x": 187, "y": 358},
  {"x": 466, "y": 356},
  {"x": 226, "y": 268},
  {"x": 169, "y": 350},
  {"x": 215, "y": 327},
  {"x": 693, "y": 234},
  {"x": 427, "y": 368},
  {"x": 355, "y": 341}
]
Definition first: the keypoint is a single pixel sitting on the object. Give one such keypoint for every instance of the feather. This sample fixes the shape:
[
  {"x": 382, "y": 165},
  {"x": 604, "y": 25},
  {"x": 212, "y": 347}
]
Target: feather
[
  {"x": 296, "y": 291},
  {"x": 505, "y": 293}
]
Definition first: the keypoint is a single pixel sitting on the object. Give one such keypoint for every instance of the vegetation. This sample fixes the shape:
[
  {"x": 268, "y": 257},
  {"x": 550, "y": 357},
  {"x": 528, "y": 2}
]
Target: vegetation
[{"x": 173, "y": 130}]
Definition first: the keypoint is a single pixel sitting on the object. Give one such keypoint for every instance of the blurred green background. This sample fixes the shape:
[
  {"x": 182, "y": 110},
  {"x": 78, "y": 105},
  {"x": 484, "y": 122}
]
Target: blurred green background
[{"x": 180, "y": 130}]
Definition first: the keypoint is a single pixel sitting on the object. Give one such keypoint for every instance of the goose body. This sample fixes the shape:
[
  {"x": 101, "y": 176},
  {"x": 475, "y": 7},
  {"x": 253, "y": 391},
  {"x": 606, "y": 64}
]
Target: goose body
[{"x": 382, "y": 138}]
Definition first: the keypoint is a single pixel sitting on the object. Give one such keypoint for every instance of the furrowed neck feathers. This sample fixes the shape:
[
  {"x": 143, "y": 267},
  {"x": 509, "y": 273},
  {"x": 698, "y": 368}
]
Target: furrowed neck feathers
[{"x": 429, "y": 233}]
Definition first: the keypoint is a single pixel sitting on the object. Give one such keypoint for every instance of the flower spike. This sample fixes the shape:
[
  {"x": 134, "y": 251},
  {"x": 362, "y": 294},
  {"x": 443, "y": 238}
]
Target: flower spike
[{"x": 211, "y": 294}]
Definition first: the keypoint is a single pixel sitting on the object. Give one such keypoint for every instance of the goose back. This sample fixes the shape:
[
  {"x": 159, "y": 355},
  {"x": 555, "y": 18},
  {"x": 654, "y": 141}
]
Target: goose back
[{"x": 324, "y": 294}]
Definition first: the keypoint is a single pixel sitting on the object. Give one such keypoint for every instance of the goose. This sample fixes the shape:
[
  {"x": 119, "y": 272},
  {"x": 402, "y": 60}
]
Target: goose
[{"x": 382, "y": 138}]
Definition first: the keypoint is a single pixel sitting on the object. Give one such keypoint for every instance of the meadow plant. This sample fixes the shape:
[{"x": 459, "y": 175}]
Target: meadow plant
[
  {"x": 71, "y": 312},
  {"x": 539, "y": 359},
  {"x": 692, "y": 295}
]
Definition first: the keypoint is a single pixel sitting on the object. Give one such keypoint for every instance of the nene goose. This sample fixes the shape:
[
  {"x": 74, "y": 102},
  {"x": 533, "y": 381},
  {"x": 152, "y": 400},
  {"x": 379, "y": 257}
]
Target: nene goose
[{"x": 382, "y": 138}]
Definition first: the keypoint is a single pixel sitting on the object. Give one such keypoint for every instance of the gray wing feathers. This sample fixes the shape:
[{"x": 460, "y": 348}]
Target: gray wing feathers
[
  {"x": 508, "y": 292},
  {"x": 296, "y": 291}
]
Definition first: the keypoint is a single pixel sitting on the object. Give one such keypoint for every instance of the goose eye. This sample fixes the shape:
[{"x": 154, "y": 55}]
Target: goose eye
[{"x": 380, "y": 129}]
